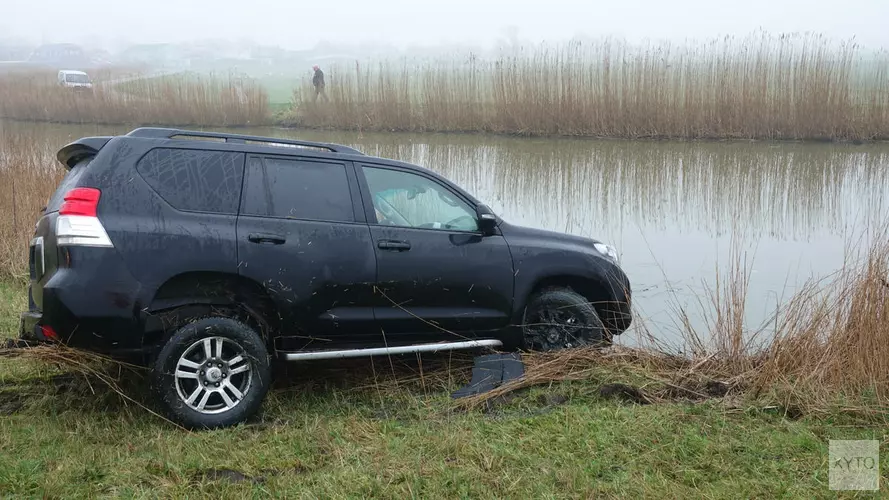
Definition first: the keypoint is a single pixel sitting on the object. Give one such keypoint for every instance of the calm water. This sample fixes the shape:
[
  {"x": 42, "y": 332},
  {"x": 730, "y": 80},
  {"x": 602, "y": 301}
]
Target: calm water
[{"x": 674, "y": 210}]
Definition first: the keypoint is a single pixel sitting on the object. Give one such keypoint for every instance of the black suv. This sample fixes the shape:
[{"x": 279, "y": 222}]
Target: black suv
[{"x": 204, "y": 254}]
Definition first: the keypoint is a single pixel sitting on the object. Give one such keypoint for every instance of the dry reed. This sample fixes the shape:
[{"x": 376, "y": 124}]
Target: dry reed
[
  {"x": 97, "y": 371},
  {"x": 170, "y": 100},
  {"x": 759, "y": 87},
  {"x": 29, "y": 174},
  {"x": 831, "y": 337}
]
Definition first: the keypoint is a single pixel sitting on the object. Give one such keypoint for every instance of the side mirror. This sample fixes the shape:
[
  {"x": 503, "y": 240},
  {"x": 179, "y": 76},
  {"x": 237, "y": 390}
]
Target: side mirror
[{"x": 487, "y": 220}]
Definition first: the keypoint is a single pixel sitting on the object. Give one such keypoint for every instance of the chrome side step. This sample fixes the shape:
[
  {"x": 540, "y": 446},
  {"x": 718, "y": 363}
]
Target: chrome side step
[{"x": 378, "y": 351}]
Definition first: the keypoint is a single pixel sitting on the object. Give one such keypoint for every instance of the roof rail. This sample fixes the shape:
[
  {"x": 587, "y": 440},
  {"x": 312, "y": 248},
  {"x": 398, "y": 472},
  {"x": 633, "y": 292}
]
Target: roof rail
[{"x": 170, "y": 133}]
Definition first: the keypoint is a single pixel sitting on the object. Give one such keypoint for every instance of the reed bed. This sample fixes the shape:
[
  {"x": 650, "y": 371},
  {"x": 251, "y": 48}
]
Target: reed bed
[
  {"x": 29, "y": 174},
  {"x": 170, "y": 100},
  {"x": 758, "y": 87}
]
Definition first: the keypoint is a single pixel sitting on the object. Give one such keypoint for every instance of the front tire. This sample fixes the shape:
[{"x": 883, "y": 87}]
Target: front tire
[
  {"x": 560, "y": 318},
  {"x": 213, "y": 372}
]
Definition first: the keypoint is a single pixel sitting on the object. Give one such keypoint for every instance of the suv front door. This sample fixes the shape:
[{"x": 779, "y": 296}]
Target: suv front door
[
  {"x": 302, "y": 235},
  {"x": 436, "y": 272}
]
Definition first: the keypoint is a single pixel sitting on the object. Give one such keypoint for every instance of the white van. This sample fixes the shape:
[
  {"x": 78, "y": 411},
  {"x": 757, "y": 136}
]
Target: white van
[{"x": 74, "y": 79}]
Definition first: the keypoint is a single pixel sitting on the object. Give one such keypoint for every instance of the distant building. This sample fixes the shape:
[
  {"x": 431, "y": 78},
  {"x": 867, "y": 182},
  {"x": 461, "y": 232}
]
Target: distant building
[
  {"x": 60, "y": 55},
  {"x": 156, "y": 55},
  {"x": 14, "y": 52}
]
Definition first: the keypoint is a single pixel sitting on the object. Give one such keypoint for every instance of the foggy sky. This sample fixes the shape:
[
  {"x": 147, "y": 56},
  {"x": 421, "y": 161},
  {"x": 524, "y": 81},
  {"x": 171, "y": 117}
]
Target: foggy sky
[{"x": 300, "y": 24}]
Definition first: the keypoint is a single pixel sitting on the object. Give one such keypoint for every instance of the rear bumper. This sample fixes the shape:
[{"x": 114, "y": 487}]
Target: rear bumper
[
  {"x": 58, "y": 325},
  {"x": 89, "y": 302},
  {"x": 33, "y": 332}
]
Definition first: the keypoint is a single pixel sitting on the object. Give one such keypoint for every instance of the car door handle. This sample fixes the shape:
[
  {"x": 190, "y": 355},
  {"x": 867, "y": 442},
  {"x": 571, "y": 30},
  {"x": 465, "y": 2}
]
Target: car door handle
[
  {"x": 274, "y": 239},
  {"x": 397, "y": 245}
]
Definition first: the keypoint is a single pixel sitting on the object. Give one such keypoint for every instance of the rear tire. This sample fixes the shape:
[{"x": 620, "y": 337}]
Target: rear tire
[
  {"x": 213, "y": 372},
  {"x": 560, "y": 318}
]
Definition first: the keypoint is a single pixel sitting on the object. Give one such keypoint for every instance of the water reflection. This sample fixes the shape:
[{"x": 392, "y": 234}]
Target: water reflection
[
  {"x": 589, "y": 187},
  {"x": 672, "y": 208}
]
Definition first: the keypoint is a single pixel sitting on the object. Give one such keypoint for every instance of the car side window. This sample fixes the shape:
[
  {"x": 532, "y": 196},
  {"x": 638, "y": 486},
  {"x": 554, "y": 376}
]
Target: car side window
[
  {"x": 297, "y": 189},
  {"x": 410, "y": 200},
  {"x": 195, "y": 180}
]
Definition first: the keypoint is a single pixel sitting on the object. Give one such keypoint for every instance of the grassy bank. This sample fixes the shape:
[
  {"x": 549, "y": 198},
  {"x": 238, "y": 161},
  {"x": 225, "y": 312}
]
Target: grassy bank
[
  {"x": 343, "y": 442},
  {"x": 192, "y": 101},
  {"x": 761, "y": 87},
  {"x": 387, "y": 428}
]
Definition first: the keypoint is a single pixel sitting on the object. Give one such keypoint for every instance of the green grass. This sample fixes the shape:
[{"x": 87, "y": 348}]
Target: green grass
[
  {"x": 278, "y": 87},
  {"x": 335, "y": 432},
  {"x": 13, "y": 300}
]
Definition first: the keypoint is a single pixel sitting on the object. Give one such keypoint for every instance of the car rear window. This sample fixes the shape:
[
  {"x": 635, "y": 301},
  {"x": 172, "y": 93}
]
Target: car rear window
[
  {"x": 297, "y": 189},
  {"x": 68, "y": 182},
  {"x": 195, "y": 180}
]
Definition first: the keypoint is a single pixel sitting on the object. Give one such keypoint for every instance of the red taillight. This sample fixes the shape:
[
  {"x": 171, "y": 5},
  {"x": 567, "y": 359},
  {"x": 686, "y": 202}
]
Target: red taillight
[
  {"x": 49, "y": 333},
  {"x": 81, "y": 201}
]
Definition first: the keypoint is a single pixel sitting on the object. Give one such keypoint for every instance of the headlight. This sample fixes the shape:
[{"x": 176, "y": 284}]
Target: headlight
[{"x": 606, "y": 250}]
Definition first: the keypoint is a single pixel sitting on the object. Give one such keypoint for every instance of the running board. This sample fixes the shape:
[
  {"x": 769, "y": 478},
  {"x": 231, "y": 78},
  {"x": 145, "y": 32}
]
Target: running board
[{"x": 378, "y": 351}]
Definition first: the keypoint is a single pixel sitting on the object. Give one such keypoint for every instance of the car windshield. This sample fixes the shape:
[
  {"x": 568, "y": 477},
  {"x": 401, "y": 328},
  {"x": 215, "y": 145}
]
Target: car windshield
[{"x": 77, "y": 78}]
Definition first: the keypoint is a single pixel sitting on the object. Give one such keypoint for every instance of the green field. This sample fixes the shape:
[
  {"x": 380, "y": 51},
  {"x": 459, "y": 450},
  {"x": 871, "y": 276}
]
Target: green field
[
  {"x": 359, "y": 431},
  {"x": 278, "y": 87}
]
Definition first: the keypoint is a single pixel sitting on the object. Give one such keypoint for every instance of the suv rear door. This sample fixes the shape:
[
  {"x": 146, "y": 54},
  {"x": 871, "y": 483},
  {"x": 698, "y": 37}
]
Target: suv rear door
[
  {"x": 435, "y": 270},
  {"x": 303, "y": 236}
]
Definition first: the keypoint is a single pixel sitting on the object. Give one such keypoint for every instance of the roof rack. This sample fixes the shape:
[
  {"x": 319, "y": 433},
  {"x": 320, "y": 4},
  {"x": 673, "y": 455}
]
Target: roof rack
[{"x": 170, "y": 133}]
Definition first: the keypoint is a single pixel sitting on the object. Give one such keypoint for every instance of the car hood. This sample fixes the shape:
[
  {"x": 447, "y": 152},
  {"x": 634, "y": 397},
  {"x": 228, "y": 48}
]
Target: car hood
[{"x": 528, "y": 236}]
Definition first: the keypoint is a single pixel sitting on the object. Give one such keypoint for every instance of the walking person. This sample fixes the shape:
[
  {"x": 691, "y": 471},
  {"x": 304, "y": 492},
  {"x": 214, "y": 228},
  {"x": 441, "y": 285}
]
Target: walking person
[{"x": 318, "y": 83}]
